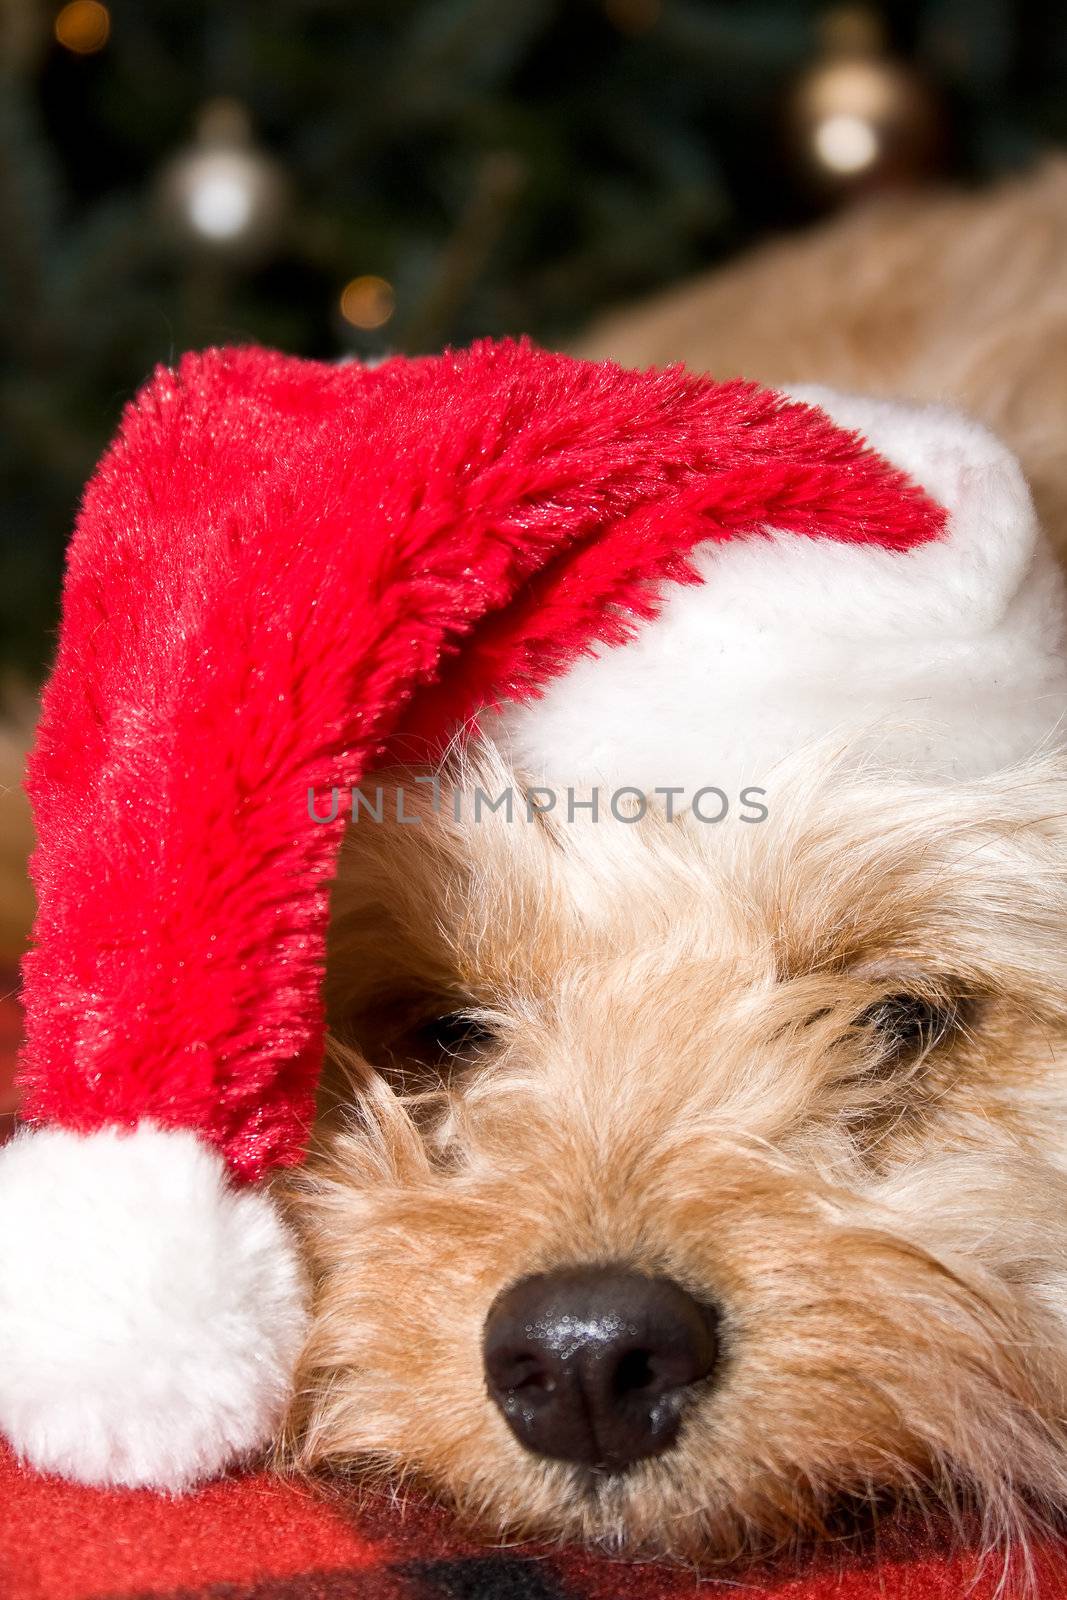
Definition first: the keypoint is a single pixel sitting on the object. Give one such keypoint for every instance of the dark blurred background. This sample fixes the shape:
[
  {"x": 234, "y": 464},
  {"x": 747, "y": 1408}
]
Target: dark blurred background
[{"x": 364, "y": 176}]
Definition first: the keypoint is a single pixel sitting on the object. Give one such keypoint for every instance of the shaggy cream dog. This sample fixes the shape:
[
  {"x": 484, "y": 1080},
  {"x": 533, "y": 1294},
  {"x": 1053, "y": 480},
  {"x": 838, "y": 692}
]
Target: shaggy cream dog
[
  {"x": 813, "y": 1073},
  {"x": 677, "y": 1183}
]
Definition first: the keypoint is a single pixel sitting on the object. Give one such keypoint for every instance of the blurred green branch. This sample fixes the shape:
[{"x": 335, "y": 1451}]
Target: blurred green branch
[{"x": 507, "y": 167}]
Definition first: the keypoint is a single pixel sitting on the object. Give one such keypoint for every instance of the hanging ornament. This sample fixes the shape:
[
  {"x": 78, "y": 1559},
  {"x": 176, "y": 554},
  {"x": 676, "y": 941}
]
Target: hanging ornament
[
  {"x": 223, "y": 196},
  {"x": 859, "y": 119}
]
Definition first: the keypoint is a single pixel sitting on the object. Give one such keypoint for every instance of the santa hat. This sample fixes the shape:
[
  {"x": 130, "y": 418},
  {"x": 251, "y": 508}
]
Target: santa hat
[
  {"x": 284, "y": 570},
  {"x": 949, "y": 664}
]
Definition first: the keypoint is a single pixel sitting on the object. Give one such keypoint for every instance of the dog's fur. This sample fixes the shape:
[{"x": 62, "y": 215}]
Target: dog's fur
[
  {"x": 691, "y": 1061},
  {"x": 687, "y": 1071}
]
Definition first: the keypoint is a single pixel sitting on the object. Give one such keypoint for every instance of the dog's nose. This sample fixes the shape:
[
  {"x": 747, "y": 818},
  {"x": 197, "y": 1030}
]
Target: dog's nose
[{"x": 595, "y": 1364}]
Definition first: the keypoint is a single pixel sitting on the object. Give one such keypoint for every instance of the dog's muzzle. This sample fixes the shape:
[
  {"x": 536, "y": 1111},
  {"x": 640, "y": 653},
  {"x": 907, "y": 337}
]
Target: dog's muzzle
[{"x": 596, "y": 1364}]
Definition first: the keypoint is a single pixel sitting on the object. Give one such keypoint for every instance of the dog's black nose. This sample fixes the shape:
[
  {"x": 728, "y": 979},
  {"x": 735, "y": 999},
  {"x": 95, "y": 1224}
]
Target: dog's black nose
[{"x": 595, "y": 1364}]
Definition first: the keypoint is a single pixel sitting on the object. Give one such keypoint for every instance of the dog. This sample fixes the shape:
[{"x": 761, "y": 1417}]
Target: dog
[
  {"x": 680, "y": 1184},
  {"x": 774, "y": 1111},
  {"x": 677, "y": 1185},
  {"x": 757, "y": 1128}
]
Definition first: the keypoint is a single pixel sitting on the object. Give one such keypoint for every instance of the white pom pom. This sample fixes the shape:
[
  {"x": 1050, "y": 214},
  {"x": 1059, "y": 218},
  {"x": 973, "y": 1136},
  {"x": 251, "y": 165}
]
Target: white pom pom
[{"x": 150, "y": 1314}]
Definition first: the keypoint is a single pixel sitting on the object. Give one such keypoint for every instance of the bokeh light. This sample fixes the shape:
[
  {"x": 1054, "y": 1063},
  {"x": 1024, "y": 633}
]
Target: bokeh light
[
  {"x": 83, "y": 26},
  {"x": 221, "y": 202},
  {"x": 845, "y": 142},
  {"x": 367, "y": 301}
]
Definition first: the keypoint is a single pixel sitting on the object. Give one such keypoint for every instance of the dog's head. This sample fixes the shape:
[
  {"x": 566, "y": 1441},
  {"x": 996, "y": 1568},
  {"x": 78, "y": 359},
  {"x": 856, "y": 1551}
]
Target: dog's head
[{"x": 698, "y": 1175}]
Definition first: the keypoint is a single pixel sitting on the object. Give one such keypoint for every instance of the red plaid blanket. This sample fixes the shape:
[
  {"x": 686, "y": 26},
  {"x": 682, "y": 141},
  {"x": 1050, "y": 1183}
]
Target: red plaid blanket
[{"x": 260, "y": 1539}]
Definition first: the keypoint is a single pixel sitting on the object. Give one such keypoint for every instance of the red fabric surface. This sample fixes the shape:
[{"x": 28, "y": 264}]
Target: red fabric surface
[
  {"x": 280, "y": 566},
  {"x": 257, "y": 1538}
]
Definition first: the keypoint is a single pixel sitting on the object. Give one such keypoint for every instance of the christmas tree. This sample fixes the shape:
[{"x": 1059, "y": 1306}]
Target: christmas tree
[{"x": 362, "y": 176}]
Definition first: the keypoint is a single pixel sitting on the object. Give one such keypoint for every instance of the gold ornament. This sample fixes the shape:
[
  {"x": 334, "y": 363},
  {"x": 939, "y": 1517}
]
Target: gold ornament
[{"x": 860, "y": 119}]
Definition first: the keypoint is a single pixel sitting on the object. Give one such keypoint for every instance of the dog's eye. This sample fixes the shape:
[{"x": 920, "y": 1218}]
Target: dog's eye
[
  {"x": 429, "y": 1050},
  {"x": 452, "y": 1035},
  {"x": 909, "y": 1024}
]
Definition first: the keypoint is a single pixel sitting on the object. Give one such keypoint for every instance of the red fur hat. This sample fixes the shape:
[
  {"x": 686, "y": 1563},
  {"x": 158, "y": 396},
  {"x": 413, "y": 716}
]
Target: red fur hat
[{"x": 279, "y": 570}]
